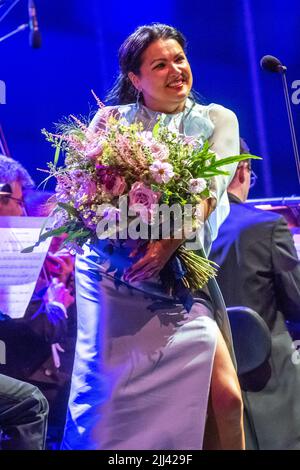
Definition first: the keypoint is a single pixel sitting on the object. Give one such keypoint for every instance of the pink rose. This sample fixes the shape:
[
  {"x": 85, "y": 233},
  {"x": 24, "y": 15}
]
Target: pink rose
[
  {"x": 119, "y": 186},
  {"x": 141, "y": 200},
  {"x": 112, "y": 182}
]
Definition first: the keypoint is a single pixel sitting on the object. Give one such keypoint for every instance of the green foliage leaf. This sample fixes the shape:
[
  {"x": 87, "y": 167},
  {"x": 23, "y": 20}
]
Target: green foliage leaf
[
  {"x": 233, "y": 159},
  {"x": 156, "y": 129},
  {"x": 70, "y": 209},
  {"x": 50, "y": 233},
  {"x": 57, "y": 152},
  {"x": 81, "y": 233}
]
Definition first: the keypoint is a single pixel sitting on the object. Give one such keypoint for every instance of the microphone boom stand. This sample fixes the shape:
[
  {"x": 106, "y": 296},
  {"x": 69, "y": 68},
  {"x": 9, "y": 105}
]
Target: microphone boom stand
[
  {"x": 273, "y": 64},
  {"x": 291, "y": 121},
  {"x": 20, "y": 28}
]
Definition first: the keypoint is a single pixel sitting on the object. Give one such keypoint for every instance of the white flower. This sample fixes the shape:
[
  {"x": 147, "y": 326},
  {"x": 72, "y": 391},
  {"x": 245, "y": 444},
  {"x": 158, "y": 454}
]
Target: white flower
[
  {"x": 159, "y": 150},
  {"x": 193, "y": 141},
  {"x": 162, "y": 172},
  {"x": 197, "y": 185}
]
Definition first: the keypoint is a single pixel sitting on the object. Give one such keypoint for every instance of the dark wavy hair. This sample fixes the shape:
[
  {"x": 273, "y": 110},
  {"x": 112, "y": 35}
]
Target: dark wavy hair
[{"x": 131, "y": 56}]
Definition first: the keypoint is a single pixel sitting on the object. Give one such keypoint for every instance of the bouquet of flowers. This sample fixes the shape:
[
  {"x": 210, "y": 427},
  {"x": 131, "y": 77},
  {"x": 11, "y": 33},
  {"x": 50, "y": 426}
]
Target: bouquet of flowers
[{"x": 121, "y": 165}]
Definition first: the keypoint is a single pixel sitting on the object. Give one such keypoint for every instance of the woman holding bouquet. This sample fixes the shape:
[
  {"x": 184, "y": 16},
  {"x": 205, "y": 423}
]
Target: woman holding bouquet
[{"x": 153, "y": 371}]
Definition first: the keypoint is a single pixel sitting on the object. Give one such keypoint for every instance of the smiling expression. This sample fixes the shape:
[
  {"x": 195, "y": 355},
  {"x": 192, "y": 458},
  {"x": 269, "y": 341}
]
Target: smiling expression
[{"x": 165, "y": 77}]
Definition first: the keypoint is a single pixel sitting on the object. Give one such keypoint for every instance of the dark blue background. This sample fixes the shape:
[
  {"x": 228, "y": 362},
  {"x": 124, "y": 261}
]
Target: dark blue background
[{"x": 226, "y": 39}]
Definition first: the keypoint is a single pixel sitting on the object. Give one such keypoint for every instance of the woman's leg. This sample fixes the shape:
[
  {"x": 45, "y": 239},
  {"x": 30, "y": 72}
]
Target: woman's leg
[{"x": 224, "y": 429}]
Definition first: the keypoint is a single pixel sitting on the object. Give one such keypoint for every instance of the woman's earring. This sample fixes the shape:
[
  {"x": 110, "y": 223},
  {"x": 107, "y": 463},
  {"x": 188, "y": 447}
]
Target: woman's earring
[{"x": 138, "y": 97}]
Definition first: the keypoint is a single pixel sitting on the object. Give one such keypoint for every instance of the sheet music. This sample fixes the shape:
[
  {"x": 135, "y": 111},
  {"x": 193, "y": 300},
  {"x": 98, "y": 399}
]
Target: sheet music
[{"x": 19, "y": 271}]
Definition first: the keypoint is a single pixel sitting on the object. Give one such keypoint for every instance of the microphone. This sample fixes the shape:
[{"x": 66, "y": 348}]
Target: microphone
[
  {"x": 35, "y": 39},
  {"x": 272, "y": 64}
]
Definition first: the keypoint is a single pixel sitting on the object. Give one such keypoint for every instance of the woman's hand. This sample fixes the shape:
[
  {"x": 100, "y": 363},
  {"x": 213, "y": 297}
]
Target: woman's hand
[{"x": 158, "y": 252}]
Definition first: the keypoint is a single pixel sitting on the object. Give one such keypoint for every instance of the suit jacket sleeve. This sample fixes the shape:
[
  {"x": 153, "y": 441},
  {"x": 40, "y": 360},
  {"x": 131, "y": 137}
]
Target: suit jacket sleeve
[
  {"x": 47, "y": 320},
  {"x": 287, "y": 271}
]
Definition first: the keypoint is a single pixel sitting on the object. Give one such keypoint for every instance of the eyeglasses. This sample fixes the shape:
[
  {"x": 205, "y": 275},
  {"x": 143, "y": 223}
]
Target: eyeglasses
[{"x": 253, "y": 176}]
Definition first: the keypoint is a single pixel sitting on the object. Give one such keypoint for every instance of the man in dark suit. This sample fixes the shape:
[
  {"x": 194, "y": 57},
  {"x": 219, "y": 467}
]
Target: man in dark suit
[{"x": 259, "y": 269}]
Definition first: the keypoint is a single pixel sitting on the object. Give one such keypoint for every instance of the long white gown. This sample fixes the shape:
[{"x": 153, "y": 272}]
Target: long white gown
[{"x": 143, "y": 363}]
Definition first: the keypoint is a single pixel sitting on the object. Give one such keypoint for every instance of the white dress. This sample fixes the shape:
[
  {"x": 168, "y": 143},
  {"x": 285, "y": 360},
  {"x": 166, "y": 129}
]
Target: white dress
[{"x": 143, "y": 360}]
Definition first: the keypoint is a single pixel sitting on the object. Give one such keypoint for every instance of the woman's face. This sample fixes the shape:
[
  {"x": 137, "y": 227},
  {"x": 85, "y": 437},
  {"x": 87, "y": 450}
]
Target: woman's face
[{"x": 165, "y": 77}]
